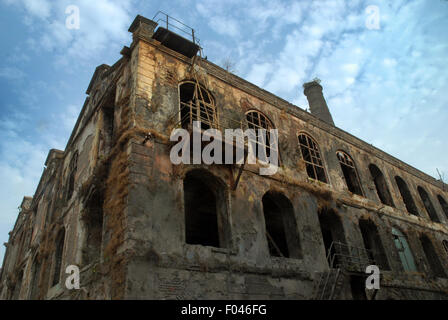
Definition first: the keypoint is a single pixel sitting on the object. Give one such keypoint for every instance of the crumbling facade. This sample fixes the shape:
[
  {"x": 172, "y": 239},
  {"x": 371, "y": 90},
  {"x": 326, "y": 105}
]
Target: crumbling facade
[{"x": 140, "y": 227}]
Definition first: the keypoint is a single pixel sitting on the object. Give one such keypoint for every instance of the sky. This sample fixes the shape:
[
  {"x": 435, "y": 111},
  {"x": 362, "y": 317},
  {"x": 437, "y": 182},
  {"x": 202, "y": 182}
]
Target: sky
[{"x": 383, "y": 66}]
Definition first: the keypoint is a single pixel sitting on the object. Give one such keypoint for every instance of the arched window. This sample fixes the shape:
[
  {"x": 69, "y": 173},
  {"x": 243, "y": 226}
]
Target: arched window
[
  {"x": 311, "y": 156},
  {"x": 381, "y": 186},
  {"x": 281, "y": 226},
  {"x": 445, "y": 245},
  {"x": 73, "y": 167},
  {"x": 333, "y": 234},
  {"x": 373, "y": 244},
  {"x": 256, "y": 121},
  {"x": 428, "y": 204},
  {"x": 404, "y": 251},
  {"x": 93, "y": 221},
  {"x": 18, "y": 286},
  {"x": 196, "y": 104},
  {"x": 431, "y": 257},
  {"x": 35, "y": 278},
  {"x": 443, "y": 204},
  {"x": 108, "y": 125},
  {"x": 406, "y": 196},
  {"x": 58, "y": 255},
  {"x": 205, "y": 204},
  {"x": 350, "y": 173}
]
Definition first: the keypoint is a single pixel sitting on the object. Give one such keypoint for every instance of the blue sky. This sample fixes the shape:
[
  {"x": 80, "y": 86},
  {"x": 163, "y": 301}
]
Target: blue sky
[{"x": 387, "y": 86}]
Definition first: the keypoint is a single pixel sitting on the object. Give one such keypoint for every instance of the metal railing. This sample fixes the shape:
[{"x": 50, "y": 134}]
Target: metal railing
[
  {"x": 350, "y": 258},
  {"x": 199, "y": 111},
  {"x": 206, "y": 113},
  {"x": 169, "y": 21}
]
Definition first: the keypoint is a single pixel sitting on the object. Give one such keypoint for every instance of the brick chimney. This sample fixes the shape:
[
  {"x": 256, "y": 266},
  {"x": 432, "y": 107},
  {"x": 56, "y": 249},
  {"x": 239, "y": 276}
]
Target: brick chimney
[{"x": 316, "y": 100}]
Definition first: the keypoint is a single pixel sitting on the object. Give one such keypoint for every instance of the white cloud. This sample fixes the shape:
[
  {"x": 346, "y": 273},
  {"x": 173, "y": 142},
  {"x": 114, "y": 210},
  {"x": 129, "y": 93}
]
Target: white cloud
[
  {"x": 69, "y": 117},
  {"x": 11, "y": 73},
  {"x": 102, "y": 22},
  {"x": 22, "y": 158},
  {"x": 259, "y": 73},
  {"x": 389, "y": 62},
  {"x": 226, "y": 26},
  {"x": 21, "y": 166},
  {"x": 37, "y": 8}
]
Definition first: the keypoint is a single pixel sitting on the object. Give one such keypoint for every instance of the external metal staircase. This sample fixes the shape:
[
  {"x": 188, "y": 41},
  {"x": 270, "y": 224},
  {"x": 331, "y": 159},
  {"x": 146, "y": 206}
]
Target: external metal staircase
[
  {"x": 329, "y": 285},
  {"x": 342, "y": 260}
]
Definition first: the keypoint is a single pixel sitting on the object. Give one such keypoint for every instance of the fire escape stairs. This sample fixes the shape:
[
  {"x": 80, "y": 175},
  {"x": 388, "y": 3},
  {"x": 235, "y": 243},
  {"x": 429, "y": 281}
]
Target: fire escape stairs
[
  {"x": 343, "y": 260},
  {"x": 329, "y": 285}
]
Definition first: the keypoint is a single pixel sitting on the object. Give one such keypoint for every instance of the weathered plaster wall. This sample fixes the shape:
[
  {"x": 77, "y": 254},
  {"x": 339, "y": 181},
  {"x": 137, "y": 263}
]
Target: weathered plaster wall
[
  {"x": 156, "y": 217},
  {"x": 143, "y": 252}
]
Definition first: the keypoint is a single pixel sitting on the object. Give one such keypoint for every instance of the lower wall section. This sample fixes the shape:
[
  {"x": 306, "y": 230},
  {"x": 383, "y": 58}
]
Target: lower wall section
[
  {"x": 191, "y": 285},
  {"x": 147, "y": 281}
]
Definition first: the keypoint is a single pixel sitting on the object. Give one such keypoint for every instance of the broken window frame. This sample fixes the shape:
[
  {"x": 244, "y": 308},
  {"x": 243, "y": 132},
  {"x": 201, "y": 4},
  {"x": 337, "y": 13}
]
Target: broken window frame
[
  {"x": 93, "y": 220},
  {"x": 432, "y": 258},
  {"x": 383, "y": 194},
  {"x": 58, "y": 257},
  {"x": 311, "y": 155},
  {"x": 35, "y": 280},
  {"x": 345, "y": 160},
  {"x": 406, "y": 196},
  {"x": 443, "y": 205},
  {"x": 445, "y": 245},
  {"x": 15, "y": 294},
  {"x": 201, "y": 107},
  {"x": 404, "y": 250},
  {"x": 429, "y": 206},
  {"x": 257, "y": 121},
  {"x": 73, "y": 167}
]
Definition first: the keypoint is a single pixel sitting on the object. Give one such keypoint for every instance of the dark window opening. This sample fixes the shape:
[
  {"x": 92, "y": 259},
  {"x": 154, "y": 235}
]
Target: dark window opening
[
  {"x": 350, "y": 173},
  {"x": 313, "y": 161},
  {"x": 443, "y": 204},
  {"x": 281, "y": 226},
  {"x": 205, "y": 210},
  {"x": 428, "y": 204},
  {"x": 109, "y": 118},
  {"x": 431, "y": 257},
  {"x": 381, "y": 185},
  {"x": 406, "y": 196},
  {"x": 93, "y": 219},
  {"x": 373, "y": 244},
  {"x": 358, "y": 287},
  {"x": 258, "y": 121},
  {"x": 58, "y": 257},
  {"x": 404, "y": 251},
  {"x": 21, "y": 246},
  {"x": 35, "y": 274},
  {"x": 71, "y": 179},
  {"x": 445, "y": 245},
  {"x": 17, "y": 286},
  {"x": 332, "y": 231},
  {"x": 196, "y": 104}
]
